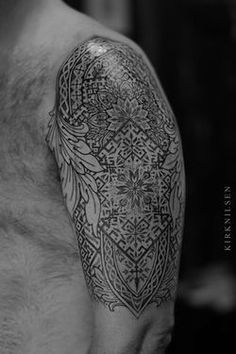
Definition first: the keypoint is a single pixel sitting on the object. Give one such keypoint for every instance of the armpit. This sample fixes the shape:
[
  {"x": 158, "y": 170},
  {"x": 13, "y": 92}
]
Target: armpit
[{"x": 118, "y": 149}]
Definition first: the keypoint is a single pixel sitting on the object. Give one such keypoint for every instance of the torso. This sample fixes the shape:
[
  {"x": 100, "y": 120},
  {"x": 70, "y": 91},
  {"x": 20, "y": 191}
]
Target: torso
[
  {"x": 44, "y": 303},
  {"x": 43, "y": 300}
]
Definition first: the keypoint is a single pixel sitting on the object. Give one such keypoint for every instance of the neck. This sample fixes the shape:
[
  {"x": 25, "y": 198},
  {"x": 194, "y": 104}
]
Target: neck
[{"x": 15, "y": 14}]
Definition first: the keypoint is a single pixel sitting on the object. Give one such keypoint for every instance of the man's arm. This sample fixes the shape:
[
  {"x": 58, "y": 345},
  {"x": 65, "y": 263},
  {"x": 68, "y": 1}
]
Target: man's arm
[{"x": 119, "y": 153}]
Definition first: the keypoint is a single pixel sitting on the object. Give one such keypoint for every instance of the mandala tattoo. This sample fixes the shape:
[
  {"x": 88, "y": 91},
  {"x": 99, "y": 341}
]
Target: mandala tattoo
[{"x": 119, "y": 153}]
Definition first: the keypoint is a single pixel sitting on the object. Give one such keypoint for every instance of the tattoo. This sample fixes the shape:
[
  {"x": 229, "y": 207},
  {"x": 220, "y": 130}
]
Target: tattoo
[{"x": 118, "y": 149}]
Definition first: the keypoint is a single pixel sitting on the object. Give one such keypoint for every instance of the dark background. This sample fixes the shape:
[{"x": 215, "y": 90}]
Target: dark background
[{"x": 191, "y": 43}]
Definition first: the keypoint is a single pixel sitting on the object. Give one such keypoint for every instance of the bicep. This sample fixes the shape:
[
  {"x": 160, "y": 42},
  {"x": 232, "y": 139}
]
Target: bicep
[{"x": 118, "y": 149}]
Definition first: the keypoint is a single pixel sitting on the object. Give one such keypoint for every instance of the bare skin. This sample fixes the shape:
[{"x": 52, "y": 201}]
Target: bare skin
[{"x": 45, "y": 305}]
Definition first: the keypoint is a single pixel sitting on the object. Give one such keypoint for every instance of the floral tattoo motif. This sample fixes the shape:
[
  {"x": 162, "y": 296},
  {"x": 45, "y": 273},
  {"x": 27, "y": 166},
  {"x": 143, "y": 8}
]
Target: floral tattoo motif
[
  {"x": 135, "y": 189},
  {"x": 127, "y": 110},
  {"x": 118, "y": 150}
]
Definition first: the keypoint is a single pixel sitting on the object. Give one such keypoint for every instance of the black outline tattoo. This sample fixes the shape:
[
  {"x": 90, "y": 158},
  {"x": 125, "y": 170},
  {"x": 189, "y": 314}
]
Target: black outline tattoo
[{"x": 118, "y": 149}]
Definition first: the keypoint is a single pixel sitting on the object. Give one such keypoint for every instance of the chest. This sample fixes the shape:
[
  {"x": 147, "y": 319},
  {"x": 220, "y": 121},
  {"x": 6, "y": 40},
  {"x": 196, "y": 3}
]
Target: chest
[
  {"x": 43, "y": 297},
  {"x": 24, "y": 92}
]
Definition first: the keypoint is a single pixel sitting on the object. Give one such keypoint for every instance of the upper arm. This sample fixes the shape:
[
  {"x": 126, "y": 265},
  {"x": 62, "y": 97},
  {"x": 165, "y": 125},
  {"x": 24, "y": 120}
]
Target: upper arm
[{"x": 118, "y": 149}]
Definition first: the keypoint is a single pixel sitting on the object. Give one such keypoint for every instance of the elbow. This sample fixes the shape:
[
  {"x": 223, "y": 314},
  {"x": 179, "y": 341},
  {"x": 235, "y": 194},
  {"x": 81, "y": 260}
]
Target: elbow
[
  {"x": 158, "y": 334},
  {"x": 123, "y": 334},
  {"x": 154, "y": 338},
  {"x": 157, "y": 343},
  {"x": 151, "y": 342}
]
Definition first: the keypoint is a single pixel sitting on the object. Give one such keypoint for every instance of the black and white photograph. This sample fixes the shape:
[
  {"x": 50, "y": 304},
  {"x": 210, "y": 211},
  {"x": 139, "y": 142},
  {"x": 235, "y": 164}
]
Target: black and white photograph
[{"x": 117, "y": 176}]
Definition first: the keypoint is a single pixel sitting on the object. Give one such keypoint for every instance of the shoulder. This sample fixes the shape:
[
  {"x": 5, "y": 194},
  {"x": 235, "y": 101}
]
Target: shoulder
[
  {"x": 110, "y": 50},
  {"x": 104, "y": 81},
  {"x": 102, "y": 70},
  {"x": 88, "y": 44}
]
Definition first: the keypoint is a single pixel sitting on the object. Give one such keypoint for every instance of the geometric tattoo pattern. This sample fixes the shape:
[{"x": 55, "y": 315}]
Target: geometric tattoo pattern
[{"x": 119, "y": 153}]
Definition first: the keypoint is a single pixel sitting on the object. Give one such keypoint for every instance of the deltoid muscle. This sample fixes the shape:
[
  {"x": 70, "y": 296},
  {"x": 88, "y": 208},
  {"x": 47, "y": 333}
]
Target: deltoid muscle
[{"x": 118, "y": 150}]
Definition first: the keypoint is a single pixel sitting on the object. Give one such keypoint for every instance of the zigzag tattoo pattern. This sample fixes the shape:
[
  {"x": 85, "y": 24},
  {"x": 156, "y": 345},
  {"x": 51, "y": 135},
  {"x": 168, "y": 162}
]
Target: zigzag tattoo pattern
[{"x": 118, "y": 149}]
